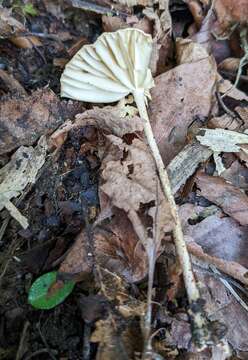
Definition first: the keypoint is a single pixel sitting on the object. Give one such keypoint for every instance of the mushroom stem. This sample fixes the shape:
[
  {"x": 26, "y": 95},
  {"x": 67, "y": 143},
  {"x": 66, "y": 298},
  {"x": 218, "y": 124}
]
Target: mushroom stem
[{"x": 181, "y": 248}]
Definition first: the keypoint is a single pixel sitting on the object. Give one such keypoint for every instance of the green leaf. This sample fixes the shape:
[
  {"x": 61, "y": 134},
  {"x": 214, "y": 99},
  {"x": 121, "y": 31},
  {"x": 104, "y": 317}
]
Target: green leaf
[
  {"x": 29, "y": 9},
  {"x": 42, "y": 297}
]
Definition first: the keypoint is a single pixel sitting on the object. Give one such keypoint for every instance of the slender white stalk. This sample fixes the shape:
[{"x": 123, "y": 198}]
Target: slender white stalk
[{"x": 183, "y": 255}]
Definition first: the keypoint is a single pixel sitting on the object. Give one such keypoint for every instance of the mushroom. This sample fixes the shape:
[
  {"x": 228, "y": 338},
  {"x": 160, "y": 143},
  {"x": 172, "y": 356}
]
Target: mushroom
[{"x": 116, "y": 65}]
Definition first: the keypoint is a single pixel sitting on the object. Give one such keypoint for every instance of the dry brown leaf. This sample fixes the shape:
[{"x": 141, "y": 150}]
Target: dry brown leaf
[
  {"x": 118, "y": 249},
  {"x": 230, "y": 12},
  {"x": 217, "y": 240},
  {"x": 25, "y": 42},
  {"x": 229, "y": 64},
  {"x": 116, "y": 341},
  {"x": 243, "y": 113},
  {"x": 79, "y": 259},
  {"x": 131, "y": 182},
  {"x": 180, "y": 96},
  {"x": 24, "y": 119},
  {"x": 223, "y": 307},
  {"x": 232, "y": 200},
  {"x": 109, "y": 120},
  {"x": 188, "y": 51},
  {"x": 227, "y": 88},
  {"x": 224, "y": 121}
]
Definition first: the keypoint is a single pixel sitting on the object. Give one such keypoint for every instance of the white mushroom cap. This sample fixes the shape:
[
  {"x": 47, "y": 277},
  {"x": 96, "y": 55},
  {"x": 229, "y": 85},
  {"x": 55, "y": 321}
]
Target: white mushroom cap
[{"x": 114, "y": 66}]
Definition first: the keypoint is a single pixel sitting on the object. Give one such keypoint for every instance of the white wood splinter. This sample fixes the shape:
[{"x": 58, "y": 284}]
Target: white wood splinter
[{"x": 116, "y": 65}]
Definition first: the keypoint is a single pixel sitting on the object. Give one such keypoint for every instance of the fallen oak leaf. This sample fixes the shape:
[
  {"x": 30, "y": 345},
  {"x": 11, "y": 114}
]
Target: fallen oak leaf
[{"x": 232, "y": 200}]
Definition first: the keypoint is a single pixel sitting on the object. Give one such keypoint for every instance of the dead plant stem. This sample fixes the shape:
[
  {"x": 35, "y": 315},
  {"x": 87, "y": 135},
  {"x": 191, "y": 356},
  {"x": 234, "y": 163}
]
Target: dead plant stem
[{"x": 183, "y": 255}]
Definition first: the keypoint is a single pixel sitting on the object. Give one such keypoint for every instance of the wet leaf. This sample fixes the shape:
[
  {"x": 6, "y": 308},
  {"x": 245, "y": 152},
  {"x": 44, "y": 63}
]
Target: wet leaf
[{"x": 39, "y": 296}]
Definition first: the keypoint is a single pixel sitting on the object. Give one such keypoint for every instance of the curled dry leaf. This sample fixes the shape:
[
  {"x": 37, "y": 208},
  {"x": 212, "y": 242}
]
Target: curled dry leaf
[
  {"x": 109, "y": 120},
  {"x": 180, "y": 96},
  {"x": 131, "y": 182},
  {"x": 18, "y": 173},
  {"x": 232, "y": 200},
  {"x": 25, "y": 118},
  {"x": 118, "y": 248}
]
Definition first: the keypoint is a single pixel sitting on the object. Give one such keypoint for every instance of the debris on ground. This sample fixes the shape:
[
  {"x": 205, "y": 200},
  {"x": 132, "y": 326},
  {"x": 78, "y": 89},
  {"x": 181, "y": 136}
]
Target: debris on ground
[{"x": 88, "y": 264}]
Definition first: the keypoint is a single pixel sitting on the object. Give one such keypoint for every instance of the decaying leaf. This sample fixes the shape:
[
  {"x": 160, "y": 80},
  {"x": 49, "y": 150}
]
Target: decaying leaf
[
  {"x": 132, "y": 182},
  {"x": 25, "y": 118},
  {"x": 78, "y": 262},
  {"x": 222, "y": 306},
  {"x": 115, "y": 341},
  {"x": 18, "y": 173},
  {"x": 220, "y": 140},
  {"x": 118, "y": 249},
  {"x": 178, "y": 99},
  {"x": 232, "y": 200},
  {"x": 109, "y": 120},
  {"x": 230, "y": 13}
]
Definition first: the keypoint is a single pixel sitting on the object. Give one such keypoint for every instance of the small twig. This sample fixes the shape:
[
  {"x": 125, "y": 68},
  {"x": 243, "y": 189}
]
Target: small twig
[
  {"x": 45, "y": 342},
  {"x": 151, "y": 255},
  {"x": 229, "y": 287},
  {"x": 39, "y": 352},
  {"x": 19, "y": 353},
  {"x": 223, "y": 105},
  {"x": 244, "y": 59},
  {"x": 197, "y": 315}
]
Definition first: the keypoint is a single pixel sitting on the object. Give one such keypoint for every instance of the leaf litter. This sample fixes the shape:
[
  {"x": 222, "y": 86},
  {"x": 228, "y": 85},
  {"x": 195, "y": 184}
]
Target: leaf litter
[{"x": 106, "y": 248}]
